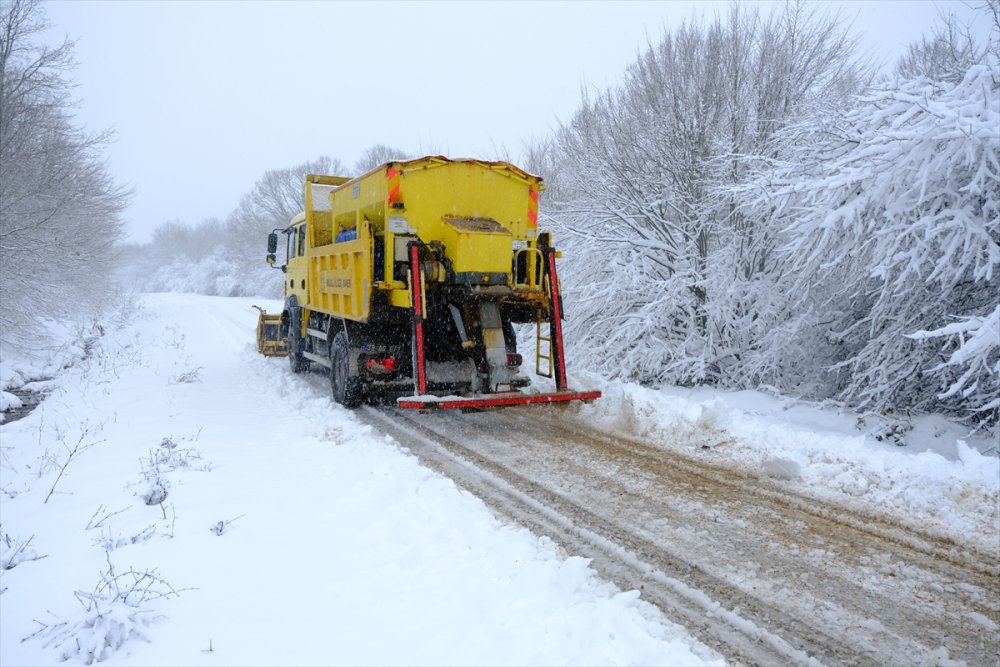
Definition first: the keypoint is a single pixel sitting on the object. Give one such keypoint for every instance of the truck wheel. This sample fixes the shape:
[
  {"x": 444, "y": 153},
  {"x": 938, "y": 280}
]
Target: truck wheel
[
  {"x": 297, "y": 361},
  {"x": 346, "y": 387}
]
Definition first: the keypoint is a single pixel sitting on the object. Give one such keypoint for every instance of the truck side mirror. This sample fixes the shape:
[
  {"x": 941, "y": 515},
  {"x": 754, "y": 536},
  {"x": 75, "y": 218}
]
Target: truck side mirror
[{"x": 272, "y": 245}]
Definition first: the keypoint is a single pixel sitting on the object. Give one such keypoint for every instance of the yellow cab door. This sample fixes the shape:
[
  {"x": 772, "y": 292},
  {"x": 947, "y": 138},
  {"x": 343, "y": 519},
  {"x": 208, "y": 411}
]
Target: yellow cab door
[{"x": 296, "y": 265}]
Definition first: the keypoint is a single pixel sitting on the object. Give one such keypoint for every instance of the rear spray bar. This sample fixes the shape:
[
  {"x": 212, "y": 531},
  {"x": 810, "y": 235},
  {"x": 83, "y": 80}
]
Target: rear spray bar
[{"x": 501, "y": 400}]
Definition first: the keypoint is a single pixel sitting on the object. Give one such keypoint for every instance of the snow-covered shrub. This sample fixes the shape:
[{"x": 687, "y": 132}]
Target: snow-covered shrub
[
  {"x": 221, "y": 527},
  {"x": 154, "y": 491},
  {"x": 14, "y": 551},
  {"x": 976, "y": 345},
  {"x": 187, "y": 377},
  {"x": 116, "y": 611},
  {"x": 109, "y": 541},
  {"x": 169, "y": 456},
  {"x": 72, "y": 451},
  {"x": 154, "y": 487},
  {"x": 99, "y": 632}
]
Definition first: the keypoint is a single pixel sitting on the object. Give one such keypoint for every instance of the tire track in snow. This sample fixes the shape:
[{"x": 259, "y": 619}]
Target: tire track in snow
[
  {"x": 966, "y": 558},
  {"x": 627, "y": 559},
  {"x": 595, "y": 483},
  {"x": 904, "y": 593}
]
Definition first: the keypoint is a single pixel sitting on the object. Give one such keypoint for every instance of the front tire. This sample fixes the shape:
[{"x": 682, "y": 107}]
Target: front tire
[
  {"x": 347, "y": 389},
  {"x": 297, "y": 362}
]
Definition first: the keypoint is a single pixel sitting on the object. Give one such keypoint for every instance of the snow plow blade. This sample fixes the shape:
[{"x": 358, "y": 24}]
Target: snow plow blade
[
  {"x": 500, "y": 400},
  {"x": 269, "y": 340}
]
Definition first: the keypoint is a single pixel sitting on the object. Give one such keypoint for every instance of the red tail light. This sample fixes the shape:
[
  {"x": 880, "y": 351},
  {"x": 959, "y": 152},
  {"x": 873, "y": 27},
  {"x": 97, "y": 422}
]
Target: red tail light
[
  {"x": 382, "y": 364},
  {"x": 513, "y": 359}
]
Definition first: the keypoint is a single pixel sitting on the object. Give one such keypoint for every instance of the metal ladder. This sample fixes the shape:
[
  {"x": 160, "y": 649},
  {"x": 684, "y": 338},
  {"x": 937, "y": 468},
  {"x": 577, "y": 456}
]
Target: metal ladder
[{"x": 539, "y": 339}]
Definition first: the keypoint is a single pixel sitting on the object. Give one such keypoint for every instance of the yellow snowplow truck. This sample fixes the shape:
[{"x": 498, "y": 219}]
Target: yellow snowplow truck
[{"x": 405, "y": 283}]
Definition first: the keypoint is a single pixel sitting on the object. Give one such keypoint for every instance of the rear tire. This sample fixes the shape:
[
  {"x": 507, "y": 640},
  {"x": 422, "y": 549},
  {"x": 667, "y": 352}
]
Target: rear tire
[{"x": 347, "y": 388}]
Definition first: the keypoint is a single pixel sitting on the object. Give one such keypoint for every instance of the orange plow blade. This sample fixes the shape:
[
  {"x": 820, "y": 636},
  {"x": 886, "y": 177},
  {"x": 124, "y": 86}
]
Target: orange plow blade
[{"x": 269, "y": 340}]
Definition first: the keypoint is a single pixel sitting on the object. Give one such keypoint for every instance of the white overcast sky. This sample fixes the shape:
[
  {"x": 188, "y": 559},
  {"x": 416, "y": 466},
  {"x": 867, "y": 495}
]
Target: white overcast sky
[{"x": 206, "y": 96}]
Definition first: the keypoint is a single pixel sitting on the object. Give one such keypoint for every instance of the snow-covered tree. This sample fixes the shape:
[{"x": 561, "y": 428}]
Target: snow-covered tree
[
  {"x": 976, "y": 344},
  {"x": 59, "y": 208},
  {"x": 668, "y": 279},
  {"x": 226, "y": 259},
  {"x": 944, "y": 55},
  {"x": 892, "y": 217},
  {"x": 274, "y": 199},
  {"x": 270, "y": 204},
  {"x": 376, "y": 155}
]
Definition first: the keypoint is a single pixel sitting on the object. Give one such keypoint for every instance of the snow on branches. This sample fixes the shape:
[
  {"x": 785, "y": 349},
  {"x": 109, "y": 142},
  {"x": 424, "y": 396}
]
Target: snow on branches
[
  {"x": 911, "y": 179},
  {"x": 892, "y": 221},
  {"x": 672, "y": 280},
  {"x": 60, "y": 210},
  {"x": 979, "y": 352}
]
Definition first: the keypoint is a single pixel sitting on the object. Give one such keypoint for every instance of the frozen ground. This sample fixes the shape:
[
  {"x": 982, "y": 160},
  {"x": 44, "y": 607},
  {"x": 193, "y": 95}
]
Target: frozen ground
[{"x": 291, "y": 533}]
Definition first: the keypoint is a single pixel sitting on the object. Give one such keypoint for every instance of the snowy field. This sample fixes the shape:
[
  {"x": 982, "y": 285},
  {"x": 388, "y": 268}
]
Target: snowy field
[
  {"x": 266, "y": 526},
  {"x": 178, "y": 499}
]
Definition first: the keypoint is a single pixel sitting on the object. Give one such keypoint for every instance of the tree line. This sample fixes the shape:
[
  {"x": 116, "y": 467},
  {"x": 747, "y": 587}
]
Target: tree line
[{"x": 60, "y": 210}]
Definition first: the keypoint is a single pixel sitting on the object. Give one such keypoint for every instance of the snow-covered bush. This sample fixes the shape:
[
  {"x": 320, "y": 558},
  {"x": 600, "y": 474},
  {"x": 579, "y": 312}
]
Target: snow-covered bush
[
  {"x": 14, "y": 551},
  {"x": 154, "y": 487},
  {"x": 116, "y": 611},
  {"x": 976, "y": 345},
  {"x": 891, "y": 223}
]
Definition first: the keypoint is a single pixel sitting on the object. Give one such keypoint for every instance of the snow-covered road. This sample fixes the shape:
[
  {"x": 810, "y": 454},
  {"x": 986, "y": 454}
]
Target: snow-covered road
[
  {"x": 756, "y": 570},
  {"x": 296, "y": 532}
]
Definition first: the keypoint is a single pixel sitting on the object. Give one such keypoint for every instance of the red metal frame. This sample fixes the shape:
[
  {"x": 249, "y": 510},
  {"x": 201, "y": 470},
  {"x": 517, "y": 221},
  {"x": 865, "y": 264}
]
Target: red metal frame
[
  {"x": 505, "y": 399},
  {"x": 556, "y": 310},
  {"x": 496, "y": 400},
  {"x": 416, "y": 295}
]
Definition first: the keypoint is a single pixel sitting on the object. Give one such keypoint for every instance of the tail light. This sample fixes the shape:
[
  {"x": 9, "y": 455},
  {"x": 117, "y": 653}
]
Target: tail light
[
  {"x": 513, "y": 359},
  {"x": 382, "y": 364}
]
